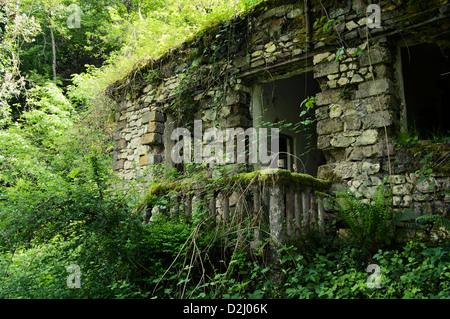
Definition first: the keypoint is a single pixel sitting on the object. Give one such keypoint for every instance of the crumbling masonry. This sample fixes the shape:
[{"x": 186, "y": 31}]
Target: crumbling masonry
[{"x": 360, "y": 106}]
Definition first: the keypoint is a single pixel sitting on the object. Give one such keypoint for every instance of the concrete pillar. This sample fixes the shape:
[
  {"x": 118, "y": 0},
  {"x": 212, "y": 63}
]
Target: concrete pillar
[
  {"x": 289, "y": 213},
  {"x": 305, "y": 209},
  {"x": 298, "y": 212},
  {"x": 276, "y": 214},
  {"x": 257, "y": 236}
]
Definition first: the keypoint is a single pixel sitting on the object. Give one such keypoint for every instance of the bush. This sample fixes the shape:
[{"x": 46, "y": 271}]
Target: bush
[
  {"x": 370, "y": 218},
  {"x": 416, "y": 271}
]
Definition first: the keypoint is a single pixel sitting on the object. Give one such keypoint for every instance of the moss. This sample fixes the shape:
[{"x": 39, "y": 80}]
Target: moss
[
  {"x": 246, "y": 178},
  {"x": 164, "y": 187},
  {"x": 282, "y": 177},
  {"x": 268, "y": 176}
]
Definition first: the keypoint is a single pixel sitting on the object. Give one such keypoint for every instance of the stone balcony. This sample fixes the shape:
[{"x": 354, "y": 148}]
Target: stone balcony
[{"x": 277, "y": 202}]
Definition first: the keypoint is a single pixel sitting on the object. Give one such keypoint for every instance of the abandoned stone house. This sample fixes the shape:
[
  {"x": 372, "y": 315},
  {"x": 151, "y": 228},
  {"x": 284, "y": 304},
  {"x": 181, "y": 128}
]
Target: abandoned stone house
[{"x": 373, "y": 74}]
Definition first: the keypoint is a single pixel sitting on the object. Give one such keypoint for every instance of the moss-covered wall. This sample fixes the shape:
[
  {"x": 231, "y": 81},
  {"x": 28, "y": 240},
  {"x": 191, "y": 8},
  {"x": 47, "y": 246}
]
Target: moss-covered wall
[{"x": 359, "y": 111}]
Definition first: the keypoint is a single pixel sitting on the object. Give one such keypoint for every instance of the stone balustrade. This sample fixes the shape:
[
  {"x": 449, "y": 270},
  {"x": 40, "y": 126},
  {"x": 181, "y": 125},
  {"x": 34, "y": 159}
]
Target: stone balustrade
[{"x": 277, "y": 202}]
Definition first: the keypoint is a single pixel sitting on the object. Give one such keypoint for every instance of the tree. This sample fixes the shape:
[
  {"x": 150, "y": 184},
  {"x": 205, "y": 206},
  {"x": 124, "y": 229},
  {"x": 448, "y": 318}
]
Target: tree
[{"x": 16, "y": 28}]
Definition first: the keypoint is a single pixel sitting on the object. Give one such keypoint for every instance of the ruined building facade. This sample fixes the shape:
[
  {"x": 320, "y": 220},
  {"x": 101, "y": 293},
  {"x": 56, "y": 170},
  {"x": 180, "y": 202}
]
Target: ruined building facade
[{"x": 373, "y": 75}]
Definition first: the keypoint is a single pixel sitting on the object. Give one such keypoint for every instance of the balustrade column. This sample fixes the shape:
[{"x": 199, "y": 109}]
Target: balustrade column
[
  {"x": 321, "y": 213},
  {"x": 225, "y": 207},
  {"x": 257, "y": 237},
  {"x": 188, "y": 205},
  {"x": 313, "y": 212},
  {"x": 298, "y": 212},
  {"x": 305, "y": 208},
  {"x": 289, "y": 213},
  {"x": 276, "y": 214}
]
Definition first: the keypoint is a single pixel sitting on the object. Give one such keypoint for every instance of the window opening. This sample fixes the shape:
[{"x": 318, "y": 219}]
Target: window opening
[
  {"x": 280, "y": 103},
  {"x": 426, "y": 84}
]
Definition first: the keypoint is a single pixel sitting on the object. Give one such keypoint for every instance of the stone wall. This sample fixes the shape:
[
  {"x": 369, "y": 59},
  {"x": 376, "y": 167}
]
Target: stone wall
[{"x": 359, "y": 111}]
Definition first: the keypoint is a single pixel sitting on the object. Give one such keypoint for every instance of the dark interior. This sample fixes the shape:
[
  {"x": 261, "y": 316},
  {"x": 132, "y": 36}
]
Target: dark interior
[{"x": 426, "y": 79}]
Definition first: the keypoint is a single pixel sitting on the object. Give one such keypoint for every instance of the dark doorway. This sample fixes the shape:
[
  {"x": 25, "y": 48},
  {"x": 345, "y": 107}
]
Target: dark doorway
[
  {"x": 281, "y": 103},
  {"x": 426, "y": 80}
]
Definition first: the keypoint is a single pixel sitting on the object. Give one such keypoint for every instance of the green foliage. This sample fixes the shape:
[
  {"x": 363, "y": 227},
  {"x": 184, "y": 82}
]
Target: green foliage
[
  {"x": 325, "y": 25},
  {"x": 438, "y": 219},
  {"x": 369, "y": 219},
  {"x": 415, "y": 271},
  {"x": 423, "y": 158},
  {"x": 164, "y": 26},
  {"x": 60, "y": 204}
]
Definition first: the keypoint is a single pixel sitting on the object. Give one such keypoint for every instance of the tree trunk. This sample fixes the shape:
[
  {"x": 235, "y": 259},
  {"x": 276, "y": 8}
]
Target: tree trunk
[{"x": 53, "y": 47}]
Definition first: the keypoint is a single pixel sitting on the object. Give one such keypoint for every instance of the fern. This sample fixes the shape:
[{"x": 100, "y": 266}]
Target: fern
[
  {"x": 369, "y": 219},
  {"x": 440, "y": 220}
]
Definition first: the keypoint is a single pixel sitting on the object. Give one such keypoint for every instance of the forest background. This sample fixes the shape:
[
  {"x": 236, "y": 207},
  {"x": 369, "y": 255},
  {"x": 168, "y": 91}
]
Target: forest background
[{"x": 58, "y": 206}]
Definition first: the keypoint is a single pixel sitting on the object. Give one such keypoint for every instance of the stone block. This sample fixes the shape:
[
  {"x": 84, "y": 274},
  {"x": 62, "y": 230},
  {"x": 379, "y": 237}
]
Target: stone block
[
  {"x": 224, "y": 112},
  {"x": 346, "y": 169},
  {"x": 127, "y": 165},
  {"x": 352, "y": 123},
  {"x": 152, "y": 116},
  {"x": 256, "y": 63},
  {"x": 329, "y": 126},
  {"x": 358, "y": 153},
  {"x": 428, "y": 185},
  {"x": 149, "y": 98},
  {"x": 342, "y": 141},
  {"x": 242, "y": 61},
  {"x": 402, "y": 189},
  {"x": 375, "y": 55},
  {"x": 343, "y": 81},
  {"x": 351, "y": 133},
  {"x": 118, "y": 164},
  {"x": 134, "y": 143},
  {"x": 142, "y": 149},
  {"x": 377, "y": 119},
  {"x": 370, "y": 168},
  {"x": 321, "y": 113},
  {"x": 357, "y": 79},
  {"x": 327, "y": 68},
  {"x": 327, "y": 97},
  {"x": 151, "y": 138},
  {"x": 398, "y": 179},
  {"x": 277, "y": 12},
  {"x": 296, "y": 52},
  {"x": 332, "y": 84},
  {"x": 376, "y": 87},
  {"x": 143, "y": 160},
  {"x": 121, "y": 144},
  {"x": 236, "y": 97},
  {"x": 318, "y": 58},
  {"x": 150, "y": 160},
  {"x": 271, "y": 47},
  {"x": 351, "y": 25},
  {"x": 155, "y": 127},
  {"x": 332, "y": 76},
  {"x": 128, "y": 137},
  {"x": 335, "y": 110},
  {"x": 323, "y": 142},
  {"x": 367, "y": 138}
]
